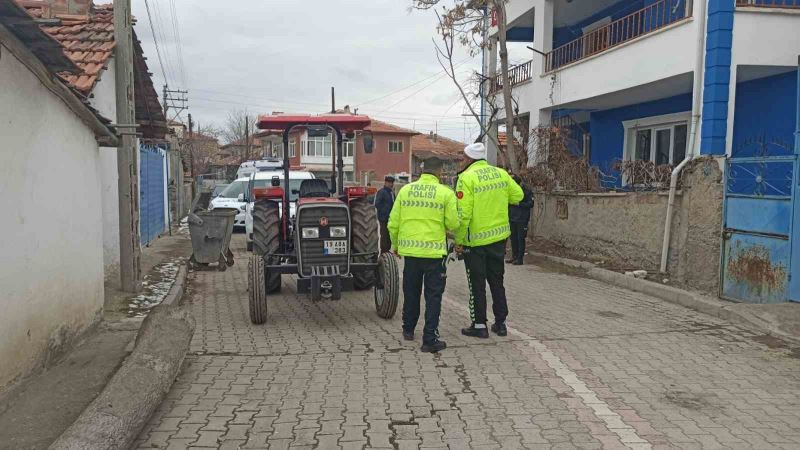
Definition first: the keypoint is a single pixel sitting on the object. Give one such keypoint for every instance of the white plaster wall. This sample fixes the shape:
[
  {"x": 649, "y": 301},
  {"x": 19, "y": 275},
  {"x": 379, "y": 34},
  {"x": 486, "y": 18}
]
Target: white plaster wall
[
  {"x": 51, "y": 284},
  {"x": 766, "y": 38},
  {"x": 105, "y": 101}
]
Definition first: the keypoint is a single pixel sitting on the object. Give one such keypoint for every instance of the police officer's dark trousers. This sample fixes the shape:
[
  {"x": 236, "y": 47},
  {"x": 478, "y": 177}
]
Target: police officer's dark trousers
[
  {"x": 486, "y": 264},
  {"x": 519, "y": 233},
  {"x": 386, "y": 242},
  {"x": 430, "y": 273}
]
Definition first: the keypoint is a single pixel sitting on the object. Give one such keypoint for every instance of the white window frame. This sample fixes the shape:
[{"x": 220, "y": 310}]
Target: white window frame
[
  {"x": 292, "y": 151},
  {"x": 399, "y": 143},
  {"x": 320, "y": 144},
  {"x": 654, "y": 123},
  {"x": 348, "y": 148}
]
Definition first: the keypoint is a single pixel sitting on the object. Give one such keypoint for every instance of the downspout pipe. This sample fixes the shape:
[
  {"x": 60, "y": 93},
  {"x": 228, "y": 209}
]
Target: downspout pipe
[{"x": 697, "y": 104}]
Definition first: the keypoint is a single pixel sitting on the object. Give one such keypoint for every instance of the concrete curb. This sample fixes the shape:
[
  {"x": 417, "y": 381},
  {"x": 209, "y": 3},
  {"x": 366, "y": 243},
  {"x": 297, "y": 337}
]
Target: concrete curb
[
  {"x": 698, "y": 302},
  {"x": 175, "y": 294},
  {"x": 116, "y": 417}
]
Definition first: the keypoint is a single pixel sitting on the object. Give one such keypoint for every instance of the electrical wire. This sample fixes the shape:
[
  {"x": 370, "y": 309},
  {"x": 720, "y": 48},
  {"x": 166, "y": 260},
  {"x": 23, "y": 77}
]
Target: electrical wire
[
  {"x": 178, "y": 42},
  {"x": 155, "y": 40}
]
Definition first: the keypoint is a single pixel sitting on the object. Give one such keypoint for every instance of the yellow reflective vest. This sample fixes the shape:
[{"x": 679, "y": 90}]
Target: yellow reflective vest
[
  {"x": 422, "y": 213},
  {"x": 484, "y": 193}
]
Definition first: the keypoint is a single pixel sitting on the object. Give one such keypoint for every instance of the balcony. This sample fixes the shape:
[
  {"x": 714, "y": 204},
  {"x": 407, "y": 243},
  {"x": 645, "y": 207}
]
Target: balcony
[
  {"x": 645, "y": 21},
  {"x": 516, "y": 75},
  {"x": 779, "y": 4}
]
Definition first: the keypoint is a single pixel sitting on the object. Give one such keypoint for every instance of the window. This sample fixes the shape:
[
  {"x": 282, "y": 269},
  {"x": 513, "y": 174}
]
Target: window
[
  {"x": 292, "y": 153},
  {"x": 348, "y": 148},
  {"x": 395, "y": 146},
  {"x": 318, "y": 146},
  {"x": 661, "y": 140}
]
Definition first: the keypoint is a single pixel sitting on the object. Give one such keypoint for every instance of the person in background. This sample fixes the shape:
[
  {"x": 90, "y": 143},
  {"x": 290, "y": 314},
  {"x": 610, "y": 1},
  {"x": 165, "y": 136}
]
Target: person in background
[
  {"x": 425, "y": 211},
  {"x": 484, "y": 193},
  {"x": 384, "y": 201},
  {"x": 519, "y": 216}
]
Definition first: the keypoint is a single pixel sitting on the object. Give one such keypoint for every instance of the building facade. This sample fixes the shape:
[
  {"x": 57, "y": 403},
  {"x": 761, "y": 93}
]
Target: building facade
[{"x": 665, "y": 81}]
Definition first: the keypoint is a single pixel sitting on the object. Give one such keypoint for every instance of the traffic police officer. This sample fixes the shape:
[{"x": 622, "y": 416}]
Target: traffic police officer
[
  {"x": 422, "y": 214},
  {"x": 484, "y": 193}
]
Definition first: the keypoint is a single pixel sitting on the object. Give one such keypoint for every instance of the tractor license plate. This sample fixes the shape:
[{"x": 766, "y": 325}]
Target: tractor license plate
[{"x": 335, "y": 248}]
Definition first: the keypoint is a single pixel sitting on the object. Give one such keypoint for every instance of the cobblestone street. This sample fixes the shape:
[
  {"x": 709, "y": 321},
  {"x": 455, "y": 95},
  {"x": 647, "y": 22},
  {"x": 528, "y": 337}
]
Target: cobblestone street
[{"x": 585, "y": 365}]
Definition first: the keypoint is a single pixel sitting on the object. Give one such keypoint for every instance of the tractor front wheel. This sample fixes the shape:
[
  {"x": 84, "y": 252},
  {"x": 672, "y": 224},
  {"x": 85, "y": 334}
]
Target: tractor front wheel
[
  {"x": 387, "y": 288},
  {"x": 257, "y": 288},
  {"x": 267, "y": 238},
  {"x": 364, "y": 232}
]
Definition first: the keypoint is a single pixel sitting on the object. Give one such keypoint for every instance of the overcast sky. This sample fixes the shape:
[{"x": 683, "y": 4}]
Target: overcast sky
[{"x": 284, "y": 55}]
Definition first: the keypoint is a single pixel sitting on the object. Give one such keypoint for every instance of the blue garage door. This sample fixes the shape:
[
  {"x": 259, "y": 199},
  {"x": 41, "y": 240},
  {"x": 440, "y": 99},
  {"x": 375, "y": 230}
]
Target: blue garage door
[{"x": 151, "y": 193}]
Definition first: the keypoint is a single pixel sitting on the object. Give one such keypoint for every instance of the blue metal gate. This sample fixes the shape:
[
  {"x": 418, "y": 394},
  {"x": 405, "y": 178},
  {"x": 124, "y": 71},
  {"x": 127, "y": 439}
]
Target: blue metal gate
[
  {"x": 757, "y": 235},
  {"x": 152, "y": 186}
]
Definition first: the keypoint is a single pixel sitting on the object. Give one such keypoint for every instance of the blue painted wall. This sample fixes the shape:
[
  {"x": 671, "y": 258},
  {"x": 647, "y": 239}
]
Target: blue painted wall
[
  {"x": 608, "y": 134},
  {"x": 766, "y": 109},
  {"x": 716, "y": 82}
]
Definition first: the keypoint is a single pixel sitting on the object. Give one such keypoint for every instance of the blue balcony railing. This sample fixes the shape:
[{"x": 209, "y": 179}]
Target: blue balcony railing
[
  {"x": 786, "y": 4},
  {"x": 642, "y": 22}
]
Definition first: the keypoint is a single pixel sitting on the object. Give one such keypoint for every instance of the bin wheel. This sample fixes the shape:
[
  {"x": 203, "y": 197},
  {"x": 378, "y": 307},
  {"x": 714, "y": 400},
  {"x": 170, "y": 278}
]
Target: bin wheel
[
  {"x": 257, "y": 288},
  {"x": 222, "y": 264},
  {"x": 364, "y": 219},
  {"x": 229, "y": 258},
  {"x": 387, "y": 288}
]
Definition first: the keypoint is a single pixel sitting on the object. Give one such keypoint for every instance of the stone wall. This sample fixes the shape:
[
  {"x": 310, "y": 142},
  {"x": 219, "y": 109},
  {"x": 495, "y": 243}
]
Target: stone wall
[{"x": 628, "y": 228}]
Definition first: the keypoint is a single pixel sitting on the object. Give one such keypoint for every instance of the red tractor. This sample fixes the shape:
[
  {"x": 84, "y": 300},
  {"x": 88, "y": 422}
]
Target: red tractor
[{"x": 331, "y": 243}]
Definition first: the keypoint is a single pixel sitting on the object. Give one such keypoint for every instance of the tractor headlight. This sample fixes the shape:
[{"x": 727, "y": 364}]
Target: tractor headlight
[
  {"x": 310, "y": 233},
  {"x": 338, "y": 232}
]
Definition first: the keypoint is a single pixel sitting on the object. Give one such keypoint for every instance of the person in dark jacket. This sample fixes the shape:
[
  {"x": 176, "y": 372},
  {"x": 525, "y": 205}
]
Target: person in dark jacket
[
  {"x": 519, "y": 216},
  {"x": 384, "y": 200}
]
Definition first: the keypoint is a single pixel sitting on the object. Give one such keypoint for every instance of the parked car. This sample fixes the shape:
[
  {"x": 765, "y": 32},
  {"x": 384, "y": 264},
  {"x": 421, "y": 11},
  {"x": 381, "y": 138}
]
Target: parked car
[
  {"x": 218, "y": 190},
  {"x": 232, "y": 197},
  {"x": 263, "y": 179}
]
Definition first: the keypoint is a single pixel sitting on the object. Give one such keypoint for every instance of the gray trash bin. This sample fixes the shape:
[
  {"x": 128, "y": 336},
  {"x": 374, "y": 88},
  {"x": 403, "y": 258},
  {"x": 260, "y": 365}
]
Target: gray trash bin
[{"x": 211, "y": 237}]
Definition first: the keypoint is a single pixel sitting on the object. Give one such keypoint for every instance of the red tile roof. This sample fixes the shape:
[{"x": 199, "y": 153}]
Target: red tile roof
[
  {"x": 425, "y": 146},
  {"x": 376, "y": 126},
  {"x": 88, "y": 40}
]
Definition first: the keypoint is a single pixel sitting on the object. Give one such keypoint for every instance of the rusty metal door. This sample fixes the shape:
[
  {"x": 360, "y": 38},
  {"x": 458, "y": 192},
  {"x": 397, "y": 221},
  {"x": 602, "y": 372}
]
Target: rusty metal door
[{"x": 757, "y": 237}]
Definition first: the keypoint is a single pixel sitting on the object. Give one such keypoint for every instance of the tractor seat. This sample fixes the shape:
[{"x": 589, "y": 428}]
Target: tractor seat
[{"x": 314, "y": 188}]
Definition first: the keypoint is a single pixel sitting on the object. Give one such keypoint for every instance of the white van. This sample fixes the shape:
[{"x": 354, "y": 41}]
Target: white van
[
  {"x": 248, "y": 168},
  {"x": 264, "y": 179}
]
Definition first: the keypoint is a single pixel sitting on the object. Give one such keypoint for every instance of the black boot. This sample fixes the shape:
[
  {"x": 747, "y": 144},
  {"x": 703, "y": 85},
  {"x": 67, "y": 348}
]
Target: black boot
[
  {"x": 435, "y": 347},
  {"x": 500, "y": 329},
  {"x": 482, "y": 333},
  {"x": 408, "y": 335}
]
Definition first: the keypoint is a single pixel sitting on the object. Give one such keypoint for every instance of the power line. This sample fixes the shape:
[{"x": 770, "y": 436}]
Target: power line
[
  {"x": 437, "y": 74},
  {"x": 178, "y": 42},
  {"x": 169, "y": 58},
  {"x": 155, "y": 40}
]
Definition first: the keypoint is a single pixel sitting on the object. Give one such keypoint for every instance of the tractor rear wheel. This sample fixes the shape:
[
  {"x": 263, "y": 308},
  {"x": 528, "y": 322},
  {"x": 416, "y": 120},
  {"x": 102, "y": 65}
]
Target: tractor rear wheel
[
  {"x": 364, "y": 232},
  {"x": 267, "y": 238},
  {"x": 387, "y": 289},
  {"x": 257, "y": 289}
]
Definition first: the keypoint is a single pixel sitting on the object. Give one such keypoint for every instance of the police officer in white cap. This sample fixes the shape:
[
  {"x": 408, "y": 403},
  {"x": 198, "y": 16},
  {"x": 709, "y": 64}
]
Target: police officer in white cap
[{"x": 484, "y": 193}]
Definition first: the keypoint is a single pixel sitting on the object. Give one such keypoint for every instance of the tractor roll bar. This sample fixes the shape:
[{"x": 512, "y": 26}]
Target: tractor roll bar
[{"x": 338, "y": 123}]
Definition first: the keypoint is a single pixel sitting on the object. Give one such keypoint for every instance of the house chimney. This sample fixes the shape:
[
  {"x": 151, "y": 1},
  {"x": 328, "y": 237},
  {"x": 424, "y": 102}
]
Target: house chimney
[{"x": 70, "y": 7}]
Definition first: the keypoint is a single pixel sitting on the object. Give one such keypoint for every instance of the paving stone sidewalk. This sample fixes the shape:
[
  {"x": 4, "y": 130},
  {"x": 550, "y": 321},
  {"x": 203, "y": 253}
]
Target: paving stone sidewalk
[{"x": 585, "y": 365}]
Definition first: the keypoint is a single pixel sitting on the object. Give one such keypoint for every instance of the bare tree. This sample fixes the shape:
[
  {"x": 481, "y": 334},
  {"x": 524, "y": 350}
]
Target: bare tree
[
  {"x": 239, "y": 129},
  {"x": 465, "y": 21},
  {"x": 201, "y": 148}
]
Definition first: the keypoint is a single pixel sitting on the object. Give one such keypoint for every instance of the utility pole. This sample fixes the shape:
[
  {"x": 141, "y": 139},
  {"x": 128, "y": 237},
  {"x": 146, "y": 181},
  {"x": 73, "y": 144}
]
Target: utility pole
[
  {"x": 127, "y": 161},
  {"x": 246, "y": 138},
  {"x": 176, "y": 100},
  {"x": 191, "y": 153}
]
